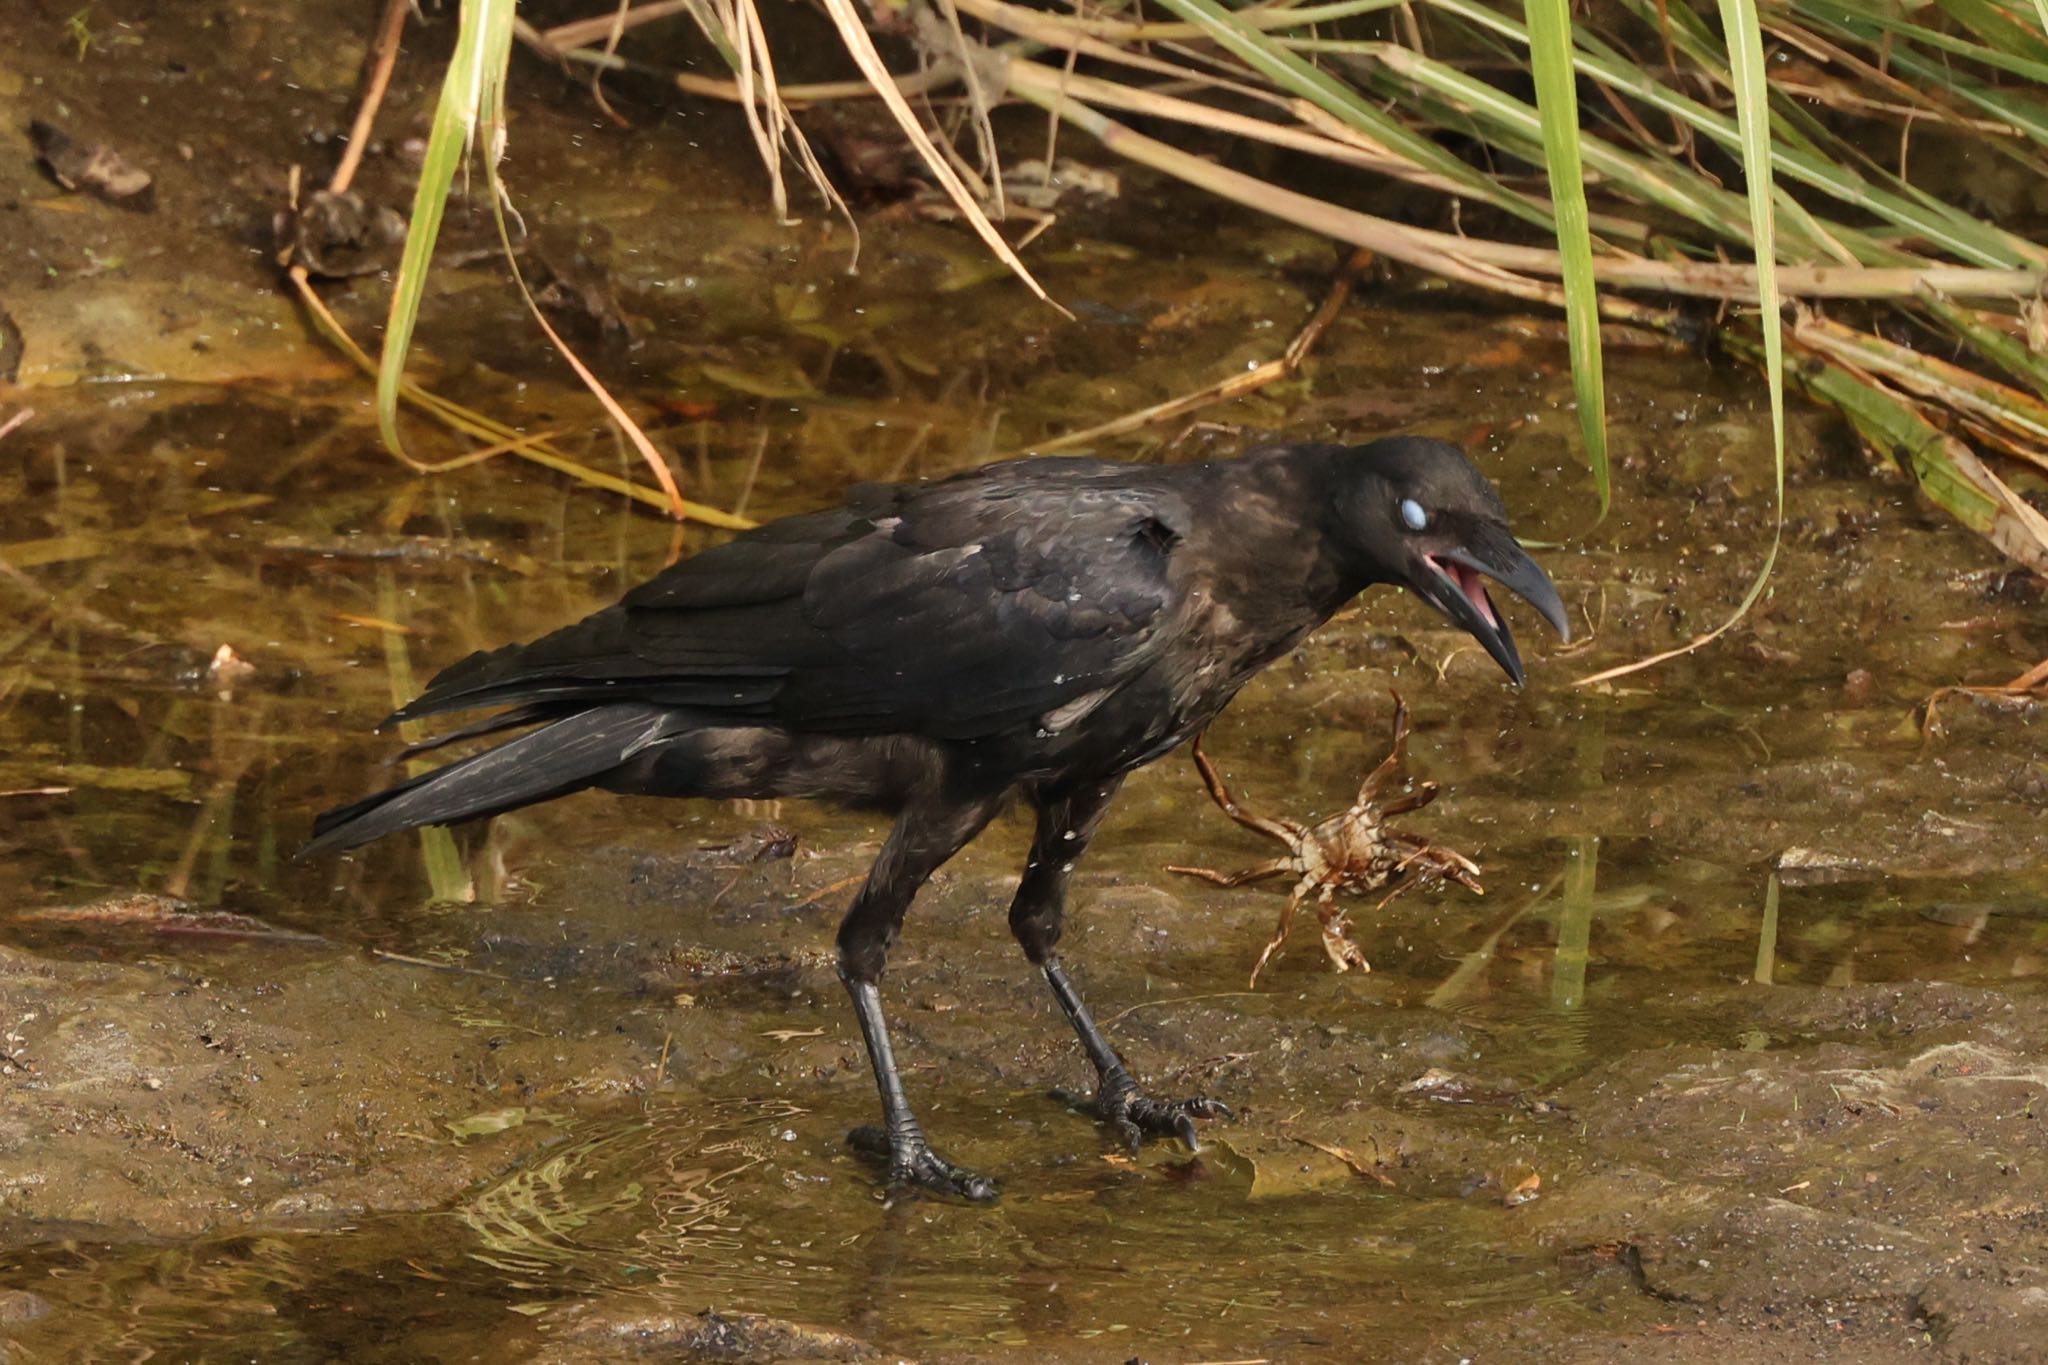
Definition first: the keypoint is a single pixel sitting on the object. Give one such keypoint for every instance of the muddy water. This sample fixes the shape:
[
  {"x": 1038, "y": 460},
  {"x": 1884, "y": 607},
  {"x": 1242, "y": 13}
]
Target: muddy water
[{"x": 1740, "y": 1054}]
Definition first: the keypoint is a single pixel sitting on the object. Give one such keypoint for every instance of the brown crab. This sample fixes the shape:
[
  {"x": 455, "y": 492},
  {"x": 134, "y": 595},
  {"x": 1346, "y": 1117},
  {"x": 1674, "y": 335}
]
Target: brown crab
[{"x": 1351, "y": 851}]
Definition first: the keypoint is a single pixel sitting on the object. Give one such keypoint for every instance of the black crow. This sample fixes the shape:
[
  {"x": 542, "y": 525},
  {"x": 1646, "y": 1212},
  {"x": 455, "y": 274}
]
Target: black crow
[{"x": 1040, "y": 627}]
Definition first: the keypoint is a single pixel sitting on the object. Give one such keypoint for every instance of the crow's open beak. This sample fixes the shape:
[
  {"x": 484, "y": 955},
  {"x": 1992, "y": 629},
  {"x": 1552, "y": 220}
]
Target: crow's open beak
[{"x": 1453, "y": 581}]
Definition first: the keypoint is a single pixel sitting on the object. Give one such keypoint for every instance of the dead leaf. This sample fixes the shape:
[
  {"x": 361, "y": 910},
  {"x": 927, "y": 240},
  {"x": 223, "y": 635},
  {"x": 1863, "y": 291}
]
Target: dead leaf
[
  {"x": 92, "y": 167},
  {"x": 167, "y": 915},
  {"x": 228, "y": 669},
  {"x": 784, "y": 1035},
  {"x": 1370, "y": 1172}
]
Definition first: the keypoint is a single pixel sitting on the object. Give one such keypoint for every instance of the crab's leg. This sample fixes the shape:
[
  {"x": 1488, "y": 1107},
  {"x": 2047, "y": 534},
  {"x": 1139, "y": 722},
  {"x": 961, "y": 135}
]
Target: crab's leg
[
  {"x": 1406, "y": 884},
  {"x": 1434, "y": 860},
  {"x": 1397, "y": 755},
  {"x": 1336, "y": 936},
  {"x": 1286, "y": 831},
  {"x": 1294, "y": 898},
  {"x": 1250, "y": 874},
  {"x": 1445, "y": 862},
  {"x": 1422, "y": 795}
]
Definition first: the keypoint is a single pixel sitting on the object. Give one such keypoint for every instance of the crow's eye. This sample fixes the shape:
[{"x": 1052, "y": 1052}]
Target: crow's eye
[{"x": 1412, "y": 515}]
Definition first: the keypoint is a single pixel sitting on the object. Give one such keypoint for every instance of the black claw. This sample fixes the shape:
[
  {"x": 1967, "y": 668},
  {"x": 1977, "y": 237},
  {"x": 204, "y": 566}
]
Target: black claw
[
  {"x": 914, "y": 1166},
  {"x": 1136, "y": 1116}
]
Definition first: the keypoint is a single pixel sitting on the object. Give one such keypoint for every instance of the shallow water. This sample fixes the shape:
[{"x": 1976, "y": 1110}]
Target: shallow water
[
  {"x": 1628, "y": 836},
  {"x": 583, "y": 1081}
]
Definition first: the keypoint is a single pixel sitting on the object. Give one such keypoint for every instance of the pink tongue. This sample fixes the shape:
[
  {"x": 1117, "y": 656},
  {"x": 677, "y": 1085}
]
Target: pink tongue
[{"x": 1474, "y": 587}]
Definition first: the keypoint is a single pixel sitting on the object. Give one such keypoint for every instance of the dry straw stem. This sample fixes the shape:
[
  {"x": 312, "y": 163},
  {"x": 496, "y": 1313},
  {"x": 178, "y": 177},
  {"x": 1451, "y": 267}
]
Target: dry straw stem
[
  {"x": 1472, "y": 259},
  {"x": 1482, "y": 262},
  {"x": 1236, "y": 385},
  {"x": 2028, "y": 684},
  {"x": 800, "y": 96},
  {"x": 582, "y": 32},
  {"x": 1325, "y": 137},
  {"x": 862, "y": 49},
  {"x": 770, "y": 117},
  {"x": 2019, "y": 417},
  {"x": 1060, "y": 27},
  {"x": 1948, "y": 471},
  {"x": 383, "y": 57}
]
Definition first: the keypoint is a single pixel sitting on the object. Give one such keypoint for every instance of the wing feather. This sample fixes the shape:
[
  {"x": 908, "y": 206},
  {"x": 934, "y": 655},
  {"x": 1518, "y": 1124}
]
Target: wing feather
[{"x": 957, "y": 610}]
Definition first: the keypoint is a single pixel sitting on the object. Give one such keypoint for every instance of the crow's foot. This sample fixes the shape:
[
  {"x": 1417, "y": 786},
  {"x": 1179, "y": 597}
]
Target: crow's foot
[
  {"x": 1136, "y": 1116},
  {"x": 913, "y": 1165}
]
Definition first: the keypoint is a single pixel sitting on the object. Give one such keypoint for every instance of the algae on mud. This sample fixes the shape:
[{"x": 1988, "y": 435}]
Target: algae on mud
[{"x": 623, "y": 1073}]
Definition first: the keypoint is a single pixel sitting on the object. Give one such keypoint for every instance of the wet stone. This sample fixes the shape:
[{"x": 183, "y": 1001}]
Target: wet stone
[{"x": 623, "y": 1330}]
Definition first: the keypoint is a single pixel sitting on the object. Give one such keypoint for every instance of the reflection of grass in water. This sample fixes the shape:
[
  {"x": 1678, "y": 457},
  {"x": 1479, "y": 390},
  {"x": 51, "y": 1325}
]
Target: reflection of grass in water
[
  {"x": 673, "y": 1172},
  {"x": 115, "y": 1305},
  {"x": 529, "y": 1222},
  {"x": 1767, "y": 935},
  {"x": 445, "y": 872},
  {"x": 1575, "y": 924}
]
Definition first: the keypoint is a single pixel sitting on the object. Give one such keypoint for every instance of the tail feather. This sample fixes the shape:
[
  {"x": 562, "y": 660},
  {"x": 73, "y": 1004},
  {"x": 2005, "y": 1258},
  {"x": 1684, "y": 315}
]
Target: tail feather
[
  {"x": 558, "y": 666},
  {"x": 565, "y": 756},
  {"x": 516, "y": 718}
]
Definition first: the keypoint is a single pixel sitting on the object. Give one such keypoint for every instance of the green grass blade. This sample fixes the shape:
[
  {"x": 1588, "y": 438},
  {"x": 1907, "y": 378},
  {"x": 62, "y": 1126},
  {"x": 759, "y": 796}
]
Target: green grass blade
[
  {"x": 2016, "y": 417},
  {"x": 1876, "y": 27},
  {"x": 1862, "y": 20},
  {"x": 474, "y": 85},
  {"x": 2005, "y": 105},
  {"x": 1744, "y": 36},
  {"x": 2009, "y": 353},
  {"x": 1498, "y": 117},
  {"x": 1550, "y": 50},
  {"x": 1753, "y": 119},
  {"x": 1745, "y": 51},
  {"x": 1999, "y": 28},
  {"x": 1947, "y": 470},
  {"x": 1793, "y": 155},
  {"x": 1302, "y": 78}
]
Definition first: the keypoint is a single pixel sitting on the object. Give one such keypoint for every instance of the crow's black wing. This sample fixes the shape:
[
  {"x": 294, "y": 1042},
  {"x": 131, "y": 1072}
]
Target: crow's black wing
[
  {"x": 956, "y": 609},
  {"x": 980, "y": 610},
  {"x": 720, "y": 629}
]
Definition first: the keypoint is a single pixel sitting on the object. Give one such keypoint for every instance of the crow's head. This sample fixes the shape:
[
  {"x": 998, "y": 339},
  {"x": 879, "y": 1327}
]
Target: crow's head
[{"x": 1420, "y": 514}]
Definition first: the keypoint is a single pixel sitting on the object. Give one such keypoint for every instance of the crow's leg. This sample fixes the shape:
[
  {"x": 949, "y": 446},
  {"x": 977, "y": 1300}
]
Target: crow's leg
[
  {"x": 1065, "y": 825},
  {"x": 1118, "y": 1101},
  {"x": 930, "y": 830}
]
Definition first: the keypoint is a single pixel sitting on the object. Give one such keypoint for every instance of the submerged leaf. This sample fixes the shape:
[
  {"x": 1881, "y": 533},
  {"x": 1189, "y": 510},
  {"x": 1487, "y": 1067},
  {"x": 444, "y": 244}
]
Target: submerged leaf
[
  {"x": 499, "y": 1121},
  {"x": 146, "y": 781}
]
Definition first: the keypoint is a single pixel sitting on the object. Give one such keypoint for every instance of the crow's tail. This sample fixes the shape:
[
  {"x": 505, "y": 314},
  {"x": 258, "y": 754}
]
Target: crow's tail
[{"x": 561, "y": 757}]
